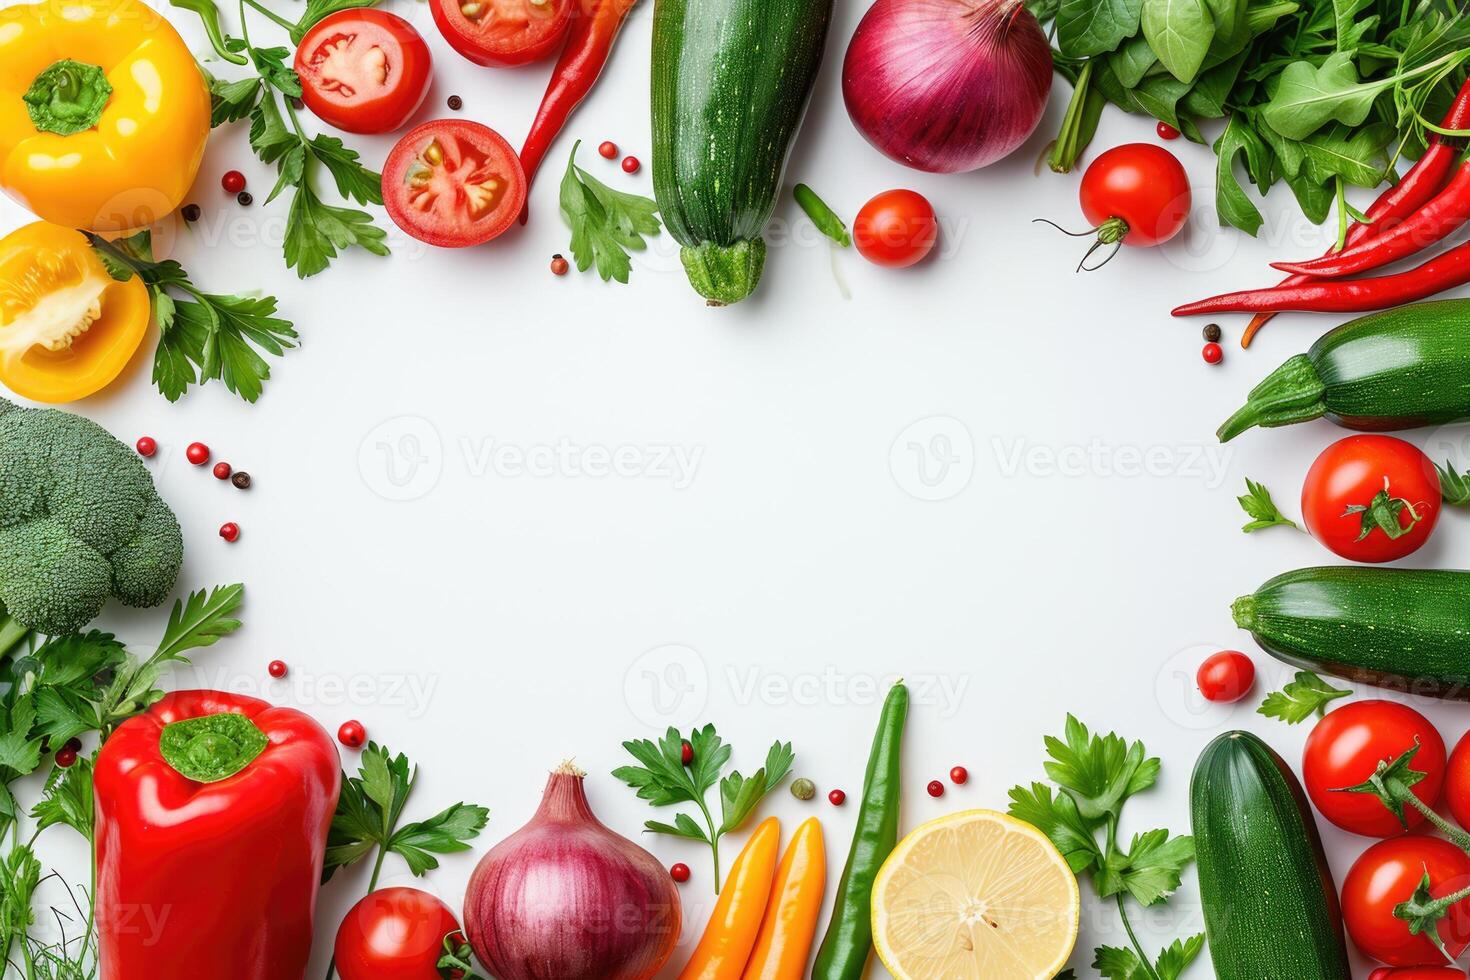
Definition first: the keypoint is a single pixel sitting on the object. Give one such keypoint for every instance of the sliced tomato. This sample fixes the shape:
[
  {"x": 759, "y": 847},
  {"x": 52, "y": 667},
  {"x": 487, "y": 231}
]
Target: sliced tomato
[
  {"x": 502, "y": 32},
  {"x": 453, "y": 183},
  {"x": 364, "y": 70}
]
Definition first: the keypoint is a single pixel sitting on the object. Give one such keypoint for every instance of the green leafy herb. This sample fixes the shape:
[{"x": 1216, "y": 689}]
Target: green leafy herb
[
  {"x": 1097, "y": 775},
  {"x": 368, "y": 818},
  {"x": 68, "y": 800},
  {"x": 1261, "y": 509},
  {"x": 606, "y": 224},
  {"x": 1454, "y": 485},
  {"x": 207, "y": 337},
  {"x": 1306, "y": 696},
  {"x": 662, "y": 779}
]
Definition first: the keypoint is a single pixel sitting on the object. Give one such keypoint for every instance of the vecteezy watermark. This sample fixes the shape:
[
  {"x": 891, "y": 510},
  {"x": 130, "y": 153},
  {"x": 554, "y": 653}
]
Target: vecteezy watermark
[
  {"x": 1208, "y": 464},
  {"x": 404, "y": 458},
  {"x": 412, "y": 694},
  {"x": 667, "y": 686},
  {"x": 933, "y": 459},
  {"x": 833, "y": 687}
]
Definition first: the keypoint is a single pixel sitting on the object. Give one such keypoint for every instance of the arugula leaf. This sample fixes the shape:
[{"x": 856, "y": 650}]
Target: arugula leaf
[
  {"x": 606, "y": 224},
  {"x": 1180, "y": 32},
  {"x": 1261, "y": 509},
  {"x": 1235, "y": 208},
  {"x": 1302, "y": 698},
  {"x": 368, "y": 814},
  {"x": 662, "y": 779},
  {"x": 1310, "y": 96}
]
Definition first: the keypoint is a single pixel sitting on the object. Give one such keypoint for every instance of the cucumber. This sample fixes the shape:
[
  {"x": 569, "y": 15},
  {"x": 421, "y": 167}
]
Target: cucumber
[
  {"x": 1269, "y": 901},
  {"x": 1393, "y": 370},
  {"x": 731, "y": 83},
  {"x": 1397, "y": 628}
]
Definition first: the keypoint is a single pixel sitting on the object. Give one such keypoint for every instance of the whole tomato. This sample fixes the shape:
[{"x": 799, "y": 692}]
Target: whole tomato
[
  {"x": 1457, "y": 782},
  {"x": 1417, "y": 973},
  {"x": 394, "y": 934},
  {"x": 896, "y": 228},
  {"x": 1136, "y": 193},
  {"x": 1388, "y": 873},
  {"x": 1226, "y": 677},
  {"x": 1346, "y": 747},
  {"x": 1371, "y": 498}
]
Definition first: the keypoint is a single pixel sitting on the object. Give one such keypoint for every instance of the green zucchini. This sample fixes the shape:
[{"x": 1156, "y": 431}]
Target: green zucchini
[
  {"x": 1393, "y": 370},
  {"x": 731, "y": 82},
  {"x": 1398, "y": 628},
  {"x": 1269, "y": 901}
]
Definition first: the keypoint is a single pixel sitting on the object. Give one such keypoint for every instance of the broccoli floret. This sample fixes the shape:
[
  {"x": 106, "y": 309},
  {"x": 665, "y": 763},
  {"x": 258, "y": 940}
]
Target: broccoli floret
[{"x": 80, "y": 522}]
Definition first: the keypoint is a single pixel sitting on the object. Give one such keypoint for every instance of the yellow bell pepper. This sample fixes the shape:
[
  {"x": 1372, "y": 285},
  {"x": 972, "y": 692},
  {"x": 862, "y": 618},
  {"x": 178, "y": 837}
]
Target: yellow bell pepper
[
  {"x": 785, "y": 942},
  {"x": 67, "y": 328},
  {"x": 103, "y": 113},
  {"x": 730, "y": 935}
]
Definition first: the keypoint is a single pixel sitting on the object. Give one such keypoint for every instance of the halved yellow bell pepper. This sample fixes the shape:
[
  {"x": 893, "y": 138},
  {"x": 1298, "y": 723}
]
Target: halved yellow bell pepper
[
  {"x": 103, "y": 113},
  {"x": 67, "y": 327}
]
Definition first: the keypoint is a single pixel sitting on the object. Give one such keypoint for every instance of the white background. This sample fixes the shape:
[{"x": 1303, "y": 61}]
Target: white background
[{"x": 499, "y": 622}]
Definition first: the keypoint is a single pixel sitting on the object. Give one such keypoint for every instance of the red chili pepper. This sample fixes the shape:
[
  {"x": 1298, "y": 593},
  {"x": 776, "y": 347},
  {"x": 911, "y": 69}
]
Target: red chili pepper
[
  {"x": 212, "y": 818},
  {"x": 1434, "y": 222},
  {"x": 1347, "y": 295},
  {"x": 1417, "y": 187},
  {"x": 589, "y": 41}
]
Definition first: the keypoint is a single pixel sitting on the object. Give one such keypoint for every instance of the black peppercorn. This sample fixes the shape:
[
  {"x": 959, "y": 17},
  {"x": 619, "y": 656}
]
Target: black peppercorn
[
  {"x": 241, "y": 479},
  {"x": 1212, "y": 332},
  {"x": 245, "y": 199},
  {"x": 190, "y": 212},
  {"x": 456, "y": 103}
]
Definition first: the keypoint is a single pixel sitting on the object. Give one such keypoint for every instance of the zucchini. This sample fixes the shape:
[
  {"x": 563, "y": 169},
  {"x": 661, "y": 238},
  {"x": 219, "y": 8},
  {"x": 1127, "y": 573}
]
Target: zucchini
[
  {"x": 1393, "y": 370},
  {"x": 1398, "y": 628},
  {"x": 1269, "y": 901},
  {"x": 731, "y": 82}
]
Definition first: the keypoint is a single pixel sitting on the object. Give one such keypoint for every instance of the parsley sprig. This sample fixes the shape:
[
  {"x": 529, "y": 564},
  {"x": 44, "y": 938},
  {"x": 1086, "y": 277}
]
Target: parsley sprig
[
  {"x": 1261, "y": 509},
  {"x": 207, "y": 337},
  {"x": 1097, "y": 775},
  {"x": 663, "y": 780},
  {"x": 606, "y": 224},
  {"x": 316, "y": 232},
  {"x": 368, "y": 818},
  {"x": 1304, "y": 697}
]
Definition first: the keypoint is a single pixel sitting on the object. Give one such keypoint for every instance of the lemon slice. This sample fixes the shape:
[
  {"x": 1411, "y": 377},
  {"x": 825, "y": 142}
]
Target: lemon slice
[{"x": 975, "y": 895}]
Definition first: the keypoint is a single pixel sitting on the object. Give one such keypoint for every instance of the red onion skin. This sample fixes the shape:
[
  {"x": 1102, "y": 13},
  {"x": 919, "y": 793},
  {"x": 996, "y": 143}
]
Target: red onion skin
[
  {"x": 565, "y": 898},
  {"x": 947, "y": 86}
]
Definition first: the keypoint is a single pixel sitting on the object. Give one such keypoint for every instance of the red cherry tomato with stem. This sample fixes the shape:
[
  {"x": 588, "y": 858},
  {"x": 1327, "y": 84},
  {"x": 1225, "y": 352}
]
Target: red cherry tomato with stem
[
  {"x": 896, "y": 229},
  {"x": 1135, "y": 194},
  {"x": 1345, "y": 749},
  {"x": 1226, "y": 677},
  {"x": 1388, "y": 873},
  {"x": 502, "y": 32},
  {"x": 453, "y": 183},
  {"x": 394, "y": 934},
  {"x": 1378, "y": 484},
  {"x": 364, "y": 70}
]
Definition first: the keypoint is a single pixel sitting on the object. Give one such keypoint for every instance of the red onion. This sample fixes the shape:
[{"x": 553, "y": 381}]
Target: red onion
[
  {"x": 947, "y": 85},
  {"x": 565, "y": 898}
]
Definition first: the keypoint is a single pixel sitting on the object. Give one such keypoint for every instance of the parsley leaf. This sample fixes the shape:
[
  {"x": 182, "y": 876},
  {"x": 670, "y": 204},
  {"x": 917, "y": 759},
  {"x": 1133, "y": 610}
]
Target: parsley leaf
[
  {"x": 68, "y": 799},
  {"x": 316, "y": 232},
  {"x": 1302, "y": 698},
  {"x": 662, "y": 779},
  {"x": 1097, "y": 775},
  {"x": 1454, "y": 484},
  {"x": 1261, "y": 509},
  {"x": 368, "y": 814},
  {"x": 606, "y": 224}
]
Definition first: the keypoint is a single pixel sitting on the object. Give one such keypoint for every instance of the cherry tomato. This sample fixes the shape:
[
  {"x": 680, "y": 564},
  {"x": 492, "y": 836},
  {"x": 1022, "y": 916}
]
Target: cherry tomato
[
  {"x": 1387, "y": 874},
  {"x": 1346, "y": 747},
  {"x": 1457, "y": 782},
  {"x": 502, "y": 32},
  {"x": 680, "y": 873},
  {"x": 352, "y": 734},
  {"x": 896, "y": 229},
  {"x": 1226, "y": 677},
  {"x": 453, "y": 183},
  {"x": 363, "y": 70},
  {"x": 1138, "y": 192},
  {"x": 1417, "y": 973},
  {"x": 394, "y": 934},
  {"x": 1373, "y": 482}
]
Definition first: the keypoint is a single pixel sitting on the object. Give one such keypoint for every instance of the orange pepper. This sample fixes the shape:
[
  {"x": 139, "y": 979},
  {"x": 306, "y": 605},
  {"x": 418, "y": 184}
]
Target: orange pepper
[
  {"x": 729, "y": 937},
  {"x": 790, "y": 926},
  {"x": 67, "y": 327}
]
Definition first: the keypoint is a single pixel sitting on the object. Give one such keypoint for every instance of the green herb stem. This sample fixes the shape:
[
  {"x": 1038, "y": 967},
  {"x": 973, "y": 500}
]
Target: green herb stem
[
  {"x": 271, "y": 15},
  {"x": 1132, "y": 938}
]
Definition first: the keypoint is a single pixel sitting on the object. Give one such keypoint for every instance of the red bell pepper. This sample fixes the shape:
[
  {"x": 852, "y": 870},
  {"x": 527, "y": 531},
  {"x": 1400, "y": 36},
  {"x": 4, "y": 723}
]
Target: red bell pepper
[{"x": 212, "y": 819}]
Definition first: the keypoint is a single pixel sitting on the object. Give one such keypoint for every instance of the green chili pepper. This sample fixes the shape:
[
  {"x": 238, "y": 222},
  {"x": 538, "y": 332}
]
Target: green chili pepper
[
  {"x": 849, "y": 939},
  {"x": 209, "y": 13},
  {"x": 822, "y": 216}
]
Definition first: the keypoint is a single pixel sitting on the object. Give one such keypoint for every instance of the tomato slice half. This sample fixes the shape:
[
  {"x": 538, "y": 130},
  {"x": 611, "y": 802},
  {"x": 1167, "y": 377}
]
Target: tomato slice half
[
  {"x": 502, "y": 32},
  {"x": 453, "y": 183},
  {"x": 364, "y": 71}
]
